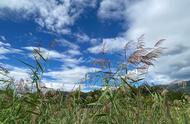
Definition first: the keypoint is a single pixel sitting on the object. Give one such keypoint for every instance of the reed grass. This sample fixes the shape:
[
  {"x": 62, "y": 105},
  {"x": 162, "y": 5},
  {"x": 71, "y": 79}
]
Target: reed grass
[{"x": 124, "y": 105}]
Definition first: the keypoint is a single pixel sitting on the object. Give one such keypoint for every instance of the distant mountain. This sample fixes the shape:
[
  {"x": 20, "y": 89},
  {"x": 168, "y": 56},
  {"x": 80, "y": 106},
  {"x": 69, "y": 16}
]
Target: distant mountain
[{"x": 180, "y": 86}]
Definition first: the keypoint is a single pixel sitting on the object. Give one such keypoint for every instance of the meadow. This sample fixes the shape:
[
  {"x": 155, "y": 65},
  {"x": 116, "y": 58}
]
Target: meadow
[{"x": 98, "y": 107}]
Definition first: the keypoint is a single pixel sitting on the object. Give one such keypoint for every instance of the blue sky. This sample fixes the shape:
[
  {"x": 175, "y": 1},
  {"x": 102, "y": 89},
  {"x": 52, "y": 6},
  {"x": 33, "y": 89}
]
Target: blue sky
[{"x": 80, "y": 28}]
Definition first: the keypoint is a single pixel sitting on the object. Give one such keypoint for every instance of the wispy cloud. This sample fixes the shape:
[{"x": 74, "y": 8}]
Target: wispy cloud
[
  {"x": 3, "y": 38},
  {"x": 68, "y": 60},
  {"x": 53, "y": 15},
  {"x": 109, "y": 45},
  {"x": 112, "y": 9},
  {"x": 6, "y": 48},
  {"x": 84, "y": 38},
  {"x": 16, "y": 73},
  {"x": 66, "y": 44}
]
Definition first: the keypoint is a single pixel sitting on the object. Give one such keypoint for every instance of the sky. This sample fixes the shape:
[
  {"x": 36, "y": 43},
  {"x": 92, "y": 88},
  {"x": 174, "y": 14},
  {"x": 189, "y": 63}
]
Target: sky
[{"x": 80, "y": 28}]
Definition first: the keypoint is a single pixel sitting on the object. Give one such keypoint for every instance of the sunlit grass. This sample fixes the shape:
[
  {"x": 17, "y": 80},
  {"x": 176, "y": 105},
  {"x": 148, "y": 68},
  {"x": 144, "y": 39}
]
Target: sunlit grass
[{"x": 118, "y": 107}]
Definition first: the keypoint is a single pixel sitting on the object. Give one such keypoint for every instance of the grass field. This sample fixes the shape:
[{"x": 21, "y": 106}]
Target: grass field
[{"x": 99, "y": 107}]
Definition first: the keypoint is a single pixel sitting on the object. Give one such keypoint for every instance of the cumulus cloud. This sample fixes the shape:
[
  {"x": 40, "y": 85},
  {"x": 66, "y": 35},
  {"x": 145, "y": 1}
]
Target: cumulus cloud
[
  {"x": 54, "y": 15},
  {"x": 167, "y": 19},
  {"x": 164, "y": 19}
]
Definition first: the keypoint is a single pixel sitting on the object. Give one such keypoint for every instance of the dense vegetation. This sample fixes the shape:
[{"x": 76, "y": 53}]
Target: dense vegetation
[
  {"x": 126, "y": 103},
  {"x": 120, "y": 106}
]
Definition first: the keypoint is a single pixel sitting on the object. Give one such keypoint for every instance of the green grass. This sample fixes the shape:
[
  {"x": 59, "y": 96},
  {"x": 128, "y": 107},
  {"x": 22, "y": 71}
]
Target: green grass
[{"x": 109, "y": 107}]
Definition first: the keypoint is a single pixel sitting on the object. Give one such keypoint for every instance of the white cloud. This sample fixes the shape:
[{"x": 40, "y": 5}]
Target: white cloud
[
  {"x": 67, "y": 44},
  {"x": 82, "y": 37},
  {"x": 5, "y": 44},
  {"x": 67, "y": 59},
  {"x": 61, "y": 86},
  {"x": 19, "y": 73},
  {"x": 68, "y": 78},
  {"x": 3, "y": 38},
  {"x": 159, "y": 19},
  {"x": 70, "y": 75},
  {"x": 112, "y": 9},
  {"x": 16, "y": 73},
  {"x": 167, "y": 19},
  {"x": 51, "y": 14},
  {"x": 109, "y": 45},
  {"x": 74, "y": 52},
  {"x": 5, "y": 48},
  {"x": 3, "y": 57},
  {"x": 164, "y": 19},
  {"x": 50, "y": 54}
]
